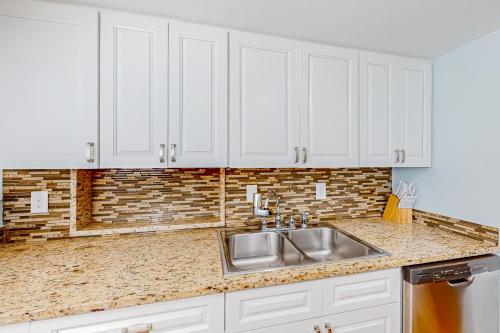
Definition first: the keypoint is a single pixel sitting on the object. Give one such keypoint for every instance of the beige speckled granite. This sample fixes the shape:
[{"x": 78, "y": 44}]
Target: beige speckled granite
[{"x": 73, "y": 276}]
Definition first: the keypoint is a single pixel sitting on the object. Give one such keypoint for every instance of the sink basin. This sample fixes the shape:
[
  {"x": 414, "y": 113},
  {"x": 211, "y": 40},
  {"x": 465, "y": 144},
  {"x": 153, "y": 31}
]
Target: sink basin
[
  {"x": 260, "y": 251},
  {"x": 328, "y": 244},
  {"x": 246, "y": 251}
]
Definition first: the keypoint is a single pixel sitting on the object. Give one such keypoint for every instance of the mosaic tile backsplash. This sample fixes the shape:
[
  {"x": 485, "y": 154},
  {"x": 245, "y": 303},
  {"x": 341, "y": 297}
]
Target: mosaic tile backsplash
[
  {"x": 350, "y": 192},
  {"x": 126, "y": 197},
  {"x": 17, "y": 188}
]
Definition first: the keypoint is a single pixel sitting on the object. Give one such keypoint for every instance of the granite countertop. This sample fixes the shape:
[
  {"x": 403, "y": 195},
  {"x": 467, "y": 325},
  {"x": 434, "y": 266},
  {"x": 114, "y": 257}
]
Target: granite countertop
[{"x": 73, "y": 276}]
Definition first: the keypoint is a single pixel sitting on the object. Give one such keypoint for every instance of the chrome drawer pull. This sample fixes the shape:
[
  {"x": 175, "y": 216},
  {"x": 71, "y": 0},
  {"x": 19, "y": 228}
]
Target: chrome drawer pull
[
  {"x": 173, "y": 146},
  {"x": 90, "y": 152},
  {"x": 296, "y": 150},
  {"x": 396, "y": 153},
  {"x": 162, "y": 153},
  {"x": 403, "y": 151},
  {"x": 304, "y": 155}
]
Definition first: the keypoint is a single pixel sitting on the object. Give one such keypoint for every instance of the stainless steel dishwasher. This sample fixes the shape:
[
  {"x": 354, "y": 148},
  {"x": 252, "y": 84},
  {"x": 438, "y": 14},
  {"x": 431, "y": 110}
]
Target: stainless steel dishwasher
[{"x": 458, "y": 296}]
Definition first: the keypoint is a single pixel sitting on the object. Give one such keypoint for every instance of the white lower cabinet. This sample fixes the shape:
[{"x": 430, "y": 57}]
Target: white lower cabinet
[
  {"x": 361, "y": 303},
  {"x": 200, "y": 314},
  {"x": 379, "y": 319}
]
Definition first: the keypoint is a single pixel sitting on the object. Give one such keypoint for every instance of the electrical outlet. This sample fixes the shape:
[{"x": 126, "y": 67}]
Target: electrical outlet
[
  {"x": 320, "y": 191},
  {"x": 39, "y": 202},
  {"x": 251, "y": 189}
]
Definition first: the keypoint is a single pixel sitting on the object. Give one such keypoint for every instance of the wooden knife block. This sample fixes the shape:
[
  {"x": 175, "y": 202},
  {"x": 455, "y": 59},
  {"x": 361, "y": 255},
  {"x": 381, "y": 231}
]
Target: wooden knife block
[{"x": 395, "y": 214}]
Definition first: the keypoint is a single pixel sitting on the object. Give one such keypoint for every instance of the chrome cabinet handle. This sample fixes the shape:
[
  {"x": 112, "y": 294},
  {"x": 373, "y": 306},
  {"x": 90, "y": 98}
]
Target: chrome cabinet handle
[
  {"x": 329, "y": 328},
  {"x": 162, "y": 153},
  {"x": 304, "y": 155},
  {"x": 403, "y": 152},
  {"x": 140, "y": 328},
  {"x": 317, "y": 329},
  {"x": 90, "y": 152},
  {"x": 396, "y": 156},
  {"x": 296, "y": 150},
  {"x": 173, "y": 158}
]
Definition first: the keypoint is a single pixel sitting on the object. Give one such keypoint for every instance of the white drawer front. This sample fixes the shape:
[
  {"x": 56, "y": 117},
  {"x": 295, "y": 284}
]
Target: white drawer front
[
  {"x": 352, "y": 292},
  {"x": 251, "y": 309},
  {"x": 203, "y": 314},
  {"x": 17, "y": 328}
]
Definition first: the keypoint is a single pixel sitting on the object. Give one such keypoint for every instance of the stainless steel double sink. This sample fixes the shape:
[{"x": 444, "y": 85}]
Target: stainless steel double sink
[{"x": 245, "y": 251}]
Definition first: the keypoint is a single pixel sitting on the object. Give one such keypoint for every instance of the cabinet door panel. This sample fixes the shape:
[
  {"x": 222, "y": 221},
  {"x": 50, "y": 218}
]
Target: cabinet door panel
[
  {"x": 264, "y": 108},
  {"x": 48, "y": 86},
  {"x": 416, "y": 140},
  {"x": 133, "y": 89},
  {"x": 379, "y": 319},
  {"x": 198, "y": 96},
  {"x": 376, "y": 110},
  {"x": 329, "y": 106},
  {"x": 256, "y": 308},
  {"x": 353, "y": 292}
]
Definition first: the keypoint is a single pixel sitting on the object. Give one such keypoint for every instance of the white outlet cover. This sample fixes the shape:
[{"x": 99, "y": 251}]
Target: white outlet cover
[
  {"x": 320, "y": 191},
  {"x": 251, "y": 189},
  {"x": 39, "y": 202}
]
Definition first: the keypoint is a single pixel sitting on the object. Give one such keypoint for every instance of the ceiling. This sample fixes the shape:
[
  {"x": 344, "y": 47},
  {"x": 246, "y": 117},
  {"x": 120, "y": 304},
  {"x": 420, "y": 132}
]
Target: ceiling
[{"x": 423, "y": 28}]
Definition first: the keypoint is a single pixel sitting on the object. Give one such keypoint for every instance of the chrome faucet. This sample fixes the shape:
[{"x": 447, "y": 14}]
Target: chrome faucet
[
  {"x": 261, "y": 211},
  {"x": 277, "y": 217}
]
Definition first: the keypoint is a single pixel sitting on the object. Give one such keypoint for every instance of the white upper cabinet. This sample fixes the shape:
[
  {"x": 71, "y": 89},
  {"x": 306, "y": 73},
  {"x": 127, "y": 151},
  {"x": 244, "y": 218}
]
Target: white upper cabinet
[
  {"x": 48, "y": 85},
  {"x": 264, "y": 108},
  {"x": 414, "y": 133},
  {"x": 328, "y": 106},
  {"x": 134, "y": 106},
  {"x": 198, "y": 96},
  {"x": 395, "y": 111},
  {"x": 377, "y": 109}
]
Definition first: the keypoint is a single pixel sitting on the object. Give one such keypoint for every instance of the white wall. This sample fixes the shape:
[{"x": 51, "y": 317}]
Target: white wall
[{"x": 464, "y": 181}]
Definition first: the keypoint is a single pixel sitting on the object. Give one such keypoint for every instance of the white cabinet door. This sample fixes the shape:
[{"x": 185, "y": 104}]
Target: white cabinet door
[
  {"x": 48, "y": 85},
  {"x": 16, "y": 328},
  {"x": 264, "y": 117},
  {"x": 134, "y": 51},
  {"x": 377, "y": 110},
  {"x": 257, "y": 308},
  {"x": 395, "y": 111},
  {"x": 379, "y": 319},
  {"x": 414, "y": 118},
  {"x": 353, "y": 292},
  {"x": 198, "y": 96},
  {"x": 304, "y": 326},
  {"x": 329, "y": 106},
  {"x": 201, "y": 314}
]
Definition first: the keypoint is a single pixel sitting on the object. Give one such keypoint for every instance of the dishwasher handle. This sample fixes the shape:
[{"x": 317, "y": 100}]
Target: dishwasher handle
[{"x": 461, "y": 282}]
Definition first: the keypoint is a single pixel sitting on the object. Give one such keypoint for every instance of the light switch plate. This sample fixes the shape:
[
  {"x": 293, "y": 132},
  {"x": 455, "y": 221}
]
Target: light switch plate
[
  {"x": 39, "y": 202},
  {"x": 320, "y": 191},
  {"x": 251, "y": 189}
]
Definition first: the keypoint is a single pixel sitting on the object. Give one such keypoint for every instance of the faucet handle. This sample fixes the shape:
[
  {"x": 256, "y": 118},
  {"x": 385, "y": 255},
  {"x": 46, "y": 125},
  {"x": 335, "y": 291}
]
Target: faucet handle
[
  {"x": 291, "y": 222},
  {"x": 303, "y": 219}
]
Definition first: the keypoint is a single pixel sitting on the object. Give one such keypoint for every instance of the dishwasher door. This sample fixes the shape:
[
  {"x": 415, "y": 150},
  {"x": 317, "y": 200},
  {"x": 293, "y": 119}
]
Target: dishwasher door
[{"x": 460, "y": 296}]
